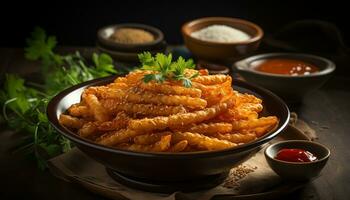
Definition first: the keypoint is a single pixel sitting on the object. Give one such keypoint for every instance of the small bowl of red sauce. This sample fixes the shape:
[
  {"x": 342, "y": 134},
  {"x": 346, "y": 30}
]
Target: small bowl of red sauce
[
  {"x": 297, "y": 160},
  {"x": 289, "y": 75}
]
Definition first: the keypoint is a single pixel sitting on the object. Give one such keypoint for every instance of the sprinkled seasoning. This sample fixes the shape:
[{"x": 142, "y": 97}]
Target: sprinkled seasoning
[
  {"x": 220, "y": 33},
  {"x": 131, "y": 36},
  {"x": 237, "y": 174}
]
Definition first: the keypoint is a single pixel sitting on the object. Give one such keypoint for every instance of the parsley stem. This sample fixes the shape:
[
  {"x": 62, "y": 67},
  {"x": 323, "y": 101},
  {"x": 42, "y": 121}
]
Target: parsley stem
[{"x": 5, "y": 106}]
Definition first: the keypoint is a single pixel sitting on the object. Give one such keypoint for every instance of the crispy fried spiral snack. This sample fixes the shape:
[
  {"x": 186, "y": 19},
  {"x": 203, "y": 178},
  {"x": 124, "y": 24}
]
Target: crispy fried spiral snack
[{"x": 133, "y": 115}]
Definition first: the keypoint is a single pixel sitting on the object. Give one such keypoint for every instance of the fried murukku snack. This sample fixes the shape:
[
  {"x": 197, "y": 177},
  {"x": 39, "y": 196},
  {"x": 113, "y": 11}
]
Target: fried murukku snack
[
  {"x": 260, "y": 131},
  {"x": 147, "y": 139},
  {"x": 97, "y": 127},
  {"x": 171, "y": 89},
  {"x": 171, "y": 100},
  {"x": 99, "y": 112},
  {"x": 117, "y": 85},
  {"x": 178, "y": 147},
  {"x": 173, "y": 121},
  {"x": 246, "y": 98},
  {"x": 215, "y": 93},
  {"x": 71, "y": 122},
  {"x": 78, "y": 110},
  {"x": 256, "y": 107},
  {"x": 162, "y": 145},
  {"x": 254, "y": 123},
  {"x": 240, "y": 113},
  {"x": 114, "y": 106},
  {"x": 236, "y": 137},
  {"x": 116, "y": 137},
  {"x": 151, "y": 98},
  {"x": 167, "y": 116},
  {"x": 135, "y": 77},
  {"x": 209, "y": 128},
  {"x": 211, "y": 79},
  {"x": 201, "y": 141}
]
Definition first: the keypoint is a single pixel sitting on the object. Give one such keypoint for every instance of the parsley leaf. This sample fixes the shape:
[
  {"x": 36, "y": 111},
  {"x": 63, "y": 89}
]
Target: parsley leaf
[
  {"x": 166, "y": 68},
  {"x": 41, "y": 47},
  {"x": 24, "y": 104}
]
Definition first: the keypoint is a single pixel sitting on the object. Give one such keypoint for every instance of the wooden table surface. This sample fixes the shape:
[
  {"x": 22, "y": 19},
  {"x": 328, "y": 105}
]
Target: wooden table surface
[{"x": 327, "y": 110}]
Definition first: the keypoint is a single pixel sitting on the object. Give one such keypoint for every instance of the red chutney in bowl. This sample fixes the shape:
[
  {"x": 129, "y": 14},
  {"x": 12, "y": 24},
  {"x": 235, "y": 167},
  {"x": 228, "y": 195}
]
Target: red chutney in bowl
[
  {"x": 284, "y": 66},
  {"x": 295, "y": 155}
]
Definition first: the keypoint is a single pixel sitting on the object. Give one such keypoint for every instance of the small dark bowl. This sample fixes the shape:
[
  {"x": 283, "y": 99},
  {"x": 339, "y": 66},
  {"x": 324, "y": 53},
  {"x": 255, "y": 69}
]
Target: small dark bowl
[
  {"x": 290, "y": 88},
  {"x": 129, "y": 52},
  {"x": 130, "y": 57},
  {"x": 294, "y": 170},
  {"x": 219, "y": 51},
  {"x": 104, "y": 33},
  {"x": 186, "y": 166}
]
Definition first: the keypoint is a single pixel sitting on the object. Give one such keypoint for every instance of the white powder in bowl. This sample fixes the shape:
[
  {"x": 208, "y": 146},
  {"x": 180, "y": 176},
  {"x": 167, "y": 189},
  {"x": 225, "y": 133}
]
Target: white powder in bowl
[{"x": 220, "y": 33}]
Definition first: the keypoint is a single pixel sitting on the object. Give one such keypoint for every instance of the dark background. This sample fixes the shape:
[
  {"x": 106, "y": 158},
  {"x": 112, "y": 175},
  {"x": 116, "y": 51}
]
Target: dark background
[{"x": 75, "y": 23}]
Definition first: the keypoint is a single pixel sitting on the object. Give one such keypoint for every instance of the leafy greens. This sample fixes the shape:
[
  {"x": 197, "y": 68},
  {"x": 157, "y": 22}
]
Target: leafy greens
[
  {"x": 24, "y": 104},
  {"x": 166, "y": 68}
]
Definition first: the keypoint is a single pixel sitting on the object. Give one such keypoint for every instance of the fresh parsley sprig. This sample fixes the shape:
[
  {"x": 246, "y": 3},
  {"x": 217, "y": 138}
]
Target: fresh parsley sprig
[
  {"x": 24, "y": 103},
  {"x": 166, "y": 69}
]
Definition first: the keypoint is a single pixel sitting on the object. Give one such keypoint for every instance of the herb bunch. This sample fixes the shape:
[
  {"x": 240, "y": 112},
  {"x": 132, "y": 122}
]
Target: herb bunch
[
  {"x": 24, "y": 103},
  {"x": 166, "y": 69}
]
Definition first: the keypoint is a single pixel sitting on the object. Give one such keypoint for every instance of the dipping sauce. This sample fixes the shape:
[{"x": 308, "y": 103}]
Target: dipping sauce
[
  {"x": 285, "y": 66},
  {"x": 295, "y": 155}
]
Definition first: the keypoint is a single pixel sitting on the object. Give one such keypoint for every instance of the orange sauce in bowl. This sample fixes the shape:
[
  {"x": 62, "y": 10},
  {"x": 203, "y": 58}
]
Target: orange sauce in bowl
[{"x": 284, "y": 66}]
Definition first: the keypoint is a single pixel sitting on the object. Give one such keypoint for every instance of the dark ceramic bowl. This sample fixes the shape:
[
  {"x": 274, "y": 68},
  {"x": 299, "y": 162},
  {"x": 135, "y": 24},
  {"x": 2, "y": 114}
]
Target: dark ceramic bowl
[
  {"x": 129, "y": 52},
  {"x": 290, "y": 88},
  {"x": 130, "y": 57},
  {"x": 169, "y": 167},
  {"x": 219, "y": 51},
  {"x": 104, "y": 33},
  {"x": 294, "y": 170}
]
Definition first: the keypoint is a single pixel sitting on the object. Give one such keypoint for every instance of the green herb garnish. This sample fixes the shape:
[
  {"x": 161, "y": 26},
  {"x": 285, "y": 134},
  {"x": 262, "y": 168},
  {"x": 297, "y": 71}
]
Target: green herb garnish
[
  {"x": 24, "y": 103},
  {"x": 166, "y": 68}
]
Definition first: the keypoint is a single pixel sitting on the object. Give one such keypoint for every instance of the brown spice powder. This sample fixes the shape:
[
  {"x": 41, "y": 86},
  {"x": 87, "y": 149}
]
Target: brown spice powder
[
  {"x": 237, "y": 174},
  {"x": 131, "y": 36}
]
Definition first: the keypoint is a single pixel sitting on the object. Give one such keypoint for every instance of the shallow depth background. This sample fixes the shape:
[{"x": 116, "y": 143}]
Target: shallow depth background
[{"x": 75, "y": 23}]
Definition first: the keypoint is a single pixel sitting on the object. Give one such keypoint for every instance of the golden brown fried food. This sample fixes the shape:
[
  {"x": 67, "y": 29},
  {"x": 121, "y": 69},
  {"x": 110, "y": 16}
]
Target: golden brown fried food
[
  {"x": 71, "y": 122},
  {"x": 116, "y": 137},
  {"x": 114, "y": 106},
  {"x": 168, "y": 117},
  {"x": 254, "y": 123},
  {"x": 78, "y": 110},
  {"x": 180, "y": 146},
  {"x": 211, "y": 79},
  {"x": 173, "y": 121},
  {"x": 171, "y": 89},
  {"x": 162, "y": 145},
  {"x": 209, "y": 128},
  {"x": 98, "y": 111},
  {"x": 236, "y": 137},
  {"x": 147, "y": 139},
  {"x": 201, "y": 141},
  {"x": 151, "y": 98},
  {"x": 96, "y": 128}
]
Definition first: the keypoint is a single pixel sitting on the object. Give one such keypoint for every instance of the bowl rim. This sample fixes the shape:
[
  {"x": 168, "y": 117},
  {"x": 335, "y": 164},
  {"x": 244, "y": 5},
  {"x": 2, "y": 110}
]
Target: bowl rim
[
  {"x": 319, "y": 145},
  {"x": 259, "y": 32},
  {"x": 53, "y": 119},
  {"x": 244, "y": 64},
  {"x": 159, "y": 36}
]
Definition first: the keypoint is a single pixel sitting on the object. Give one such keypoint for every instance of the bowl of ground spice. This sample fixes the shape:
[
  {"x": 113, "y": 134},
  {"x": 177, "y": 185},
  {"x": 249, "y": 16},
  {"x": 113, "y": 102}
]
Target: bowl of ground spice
[
  {"x": 221, "y": 39},
  {"x": 125, "y": 41}
]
